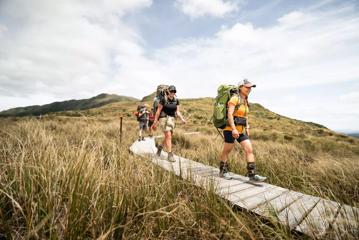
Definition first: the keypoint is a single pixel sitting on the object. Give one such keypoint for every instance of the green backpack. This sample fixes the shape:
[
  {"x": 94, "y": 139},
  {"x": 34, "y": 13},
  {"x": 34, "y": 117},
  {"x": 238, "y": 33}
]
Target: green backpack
[{"x": 224, "y": 93}]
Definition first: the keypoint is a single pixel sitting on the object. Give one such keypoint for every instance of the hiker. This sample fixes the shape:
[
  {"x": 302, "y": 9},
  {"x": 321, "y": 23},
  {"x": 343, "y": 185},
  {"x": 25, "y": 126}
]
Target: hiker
[
  {"x": 168, "y": 108},
  {"x": 237, "y": 128},
  {"x": 151, "y": 119},
  {"x": 142, "y": 118}
]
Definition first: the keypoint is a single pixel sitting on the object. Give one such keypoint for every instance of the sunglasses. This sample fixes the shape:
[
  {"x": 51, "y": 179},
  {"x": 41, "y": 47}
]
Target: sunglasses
[{"x": 173, "y": 91}]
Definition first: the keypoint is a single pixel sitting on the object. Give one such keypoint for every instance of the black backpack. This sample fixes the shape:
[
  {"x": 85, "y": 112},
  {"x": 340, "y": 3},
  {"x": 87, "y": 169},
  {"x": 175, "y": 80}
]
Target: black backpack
[{"x": 140, "y": 109}]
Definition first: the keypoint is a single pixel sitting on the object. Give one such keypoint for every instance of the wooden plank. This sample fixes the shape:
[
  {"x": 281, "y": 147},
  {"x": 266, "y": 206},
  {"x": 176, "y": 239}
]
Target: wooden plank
[
  {"x": 226, "y": 184},
  {"x": 164, "y": 164},
  {"x": 201, "y": 175},
  {"x": 249, "y": 192},
  {"x": 346, "y": 224},
  {"x": 195, "y": 170},
  {"x": 277, "y": 204},
  {"x": 199, "y": 169},
  {"x": 307, "y": 214},
  {"x": 297, "y": 211},
  {"x": 144, "y": 147},
  {"x": 218, "y": 184},
  {"x": 208, "y": 174},
  {"x": 186, "y": 166},
  {"x": 234, "y": 189},
  {"x": 317, "y": 221},
  {"x": 261, "y": 198}
]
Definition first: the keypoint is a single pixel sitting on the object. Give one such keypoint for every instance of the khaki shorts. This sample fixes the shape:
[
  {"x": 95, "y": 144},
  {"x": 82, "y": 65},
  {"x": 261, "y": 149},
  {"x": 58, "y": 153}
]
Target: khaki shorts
[
  {"x": 167, "y": 123},
  {"x": 142, "y": 125}
]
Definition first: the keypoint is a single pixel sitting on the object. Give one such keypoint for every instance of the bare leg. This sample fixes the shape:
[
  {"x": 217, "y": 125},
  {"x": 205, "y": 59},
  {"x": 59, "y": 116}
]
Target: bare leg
[
  {"x": 151, "y": 132},
  {"x": 251, "y": 166},
  {"x": 223, "y": 165},
  {"x": 168, "y": 140},
  {"x": 248, "y": 149},
  {"x": 227, "y": 148}
]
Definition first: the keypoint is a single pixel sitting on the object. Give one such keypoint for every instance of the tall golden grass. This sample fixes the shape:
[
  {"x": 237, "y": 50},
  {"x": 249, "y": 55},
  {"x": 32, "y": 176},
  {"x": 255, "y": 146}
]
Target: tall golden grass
[
  {"x": 71, "y": 178},
  {"x": 74, "y": 180}
]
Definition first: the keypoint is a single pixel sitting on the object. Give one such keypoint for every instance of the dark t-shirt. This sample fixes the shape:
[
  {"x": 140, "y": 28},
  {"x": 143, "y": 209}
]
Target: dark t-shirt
[
  {"x": 169, "y": 106},
  {"x": 143, "y": 117}
]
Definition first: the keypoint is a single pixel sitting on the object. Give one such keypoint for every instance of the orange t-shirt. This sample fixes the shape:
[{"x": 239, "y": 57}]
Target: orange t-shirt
[{"x": 240, "y": 111}]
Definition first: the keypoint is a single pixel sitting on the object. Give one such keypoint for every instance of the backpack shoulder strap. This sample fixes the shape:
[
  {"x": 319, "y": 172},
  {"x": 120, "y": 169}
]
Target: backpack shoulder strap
[{"x": 239, "y": 101}]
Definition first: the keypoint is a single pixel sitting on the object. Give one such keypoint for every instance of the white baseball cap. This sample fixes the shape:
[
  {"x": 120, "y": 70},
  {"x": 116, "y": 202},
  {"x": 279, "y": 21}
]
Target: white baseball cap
[{"x": 246, "y": 83}]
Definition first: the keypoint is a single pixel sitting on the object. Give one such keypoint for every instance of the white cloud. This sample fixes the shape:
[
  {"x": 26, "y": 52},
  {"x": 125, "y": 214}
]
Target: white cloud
[
  {"x": 351, "y": 97},
  {"x": 73, "y": 50},
  {"x": 304, "y": 50},
  {"x": 63, "y": 48},
  {"x": 2, "y": 29},
  {"x": 200, "y": 8},
  {"x": 318, "y": 50}
]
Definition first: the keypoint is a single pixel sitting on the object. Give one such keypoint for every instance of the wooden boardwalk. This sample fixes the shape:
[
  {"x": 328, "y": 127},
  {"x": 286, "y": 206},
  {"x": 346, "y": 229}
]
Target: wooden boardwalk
[{"x": 308, "y": 214}]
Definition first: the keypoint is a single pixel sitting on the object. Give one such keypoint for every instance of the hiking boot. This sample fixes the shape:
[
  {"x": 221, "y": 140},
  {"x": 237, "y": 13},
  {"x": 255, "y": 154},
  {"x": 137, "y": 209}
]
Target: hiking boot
[
  {"x": 224, "y": 171},
  {"x": 143, "y": 138},
  {"x": 226, "y": 175},
  {"x": 139, "y": 139},
  {"x": 251, "y": 168},
  {"x": 170, "y": 157},
  {"x": 159, "y": 150},
  {"x": 257, "y": 178}
]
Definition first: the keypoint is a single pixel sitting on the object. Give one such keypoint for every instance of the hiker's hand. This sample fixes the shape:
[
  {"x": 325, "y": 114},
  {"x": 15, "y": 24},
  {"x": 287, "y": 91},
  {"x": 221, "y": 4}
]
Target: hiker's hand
[
  {"x": 247, "y": 131},
  {"x": 154, "y": 125},
  {"x": 183, "y": 121},
  {"x": 235, "y": 133}
]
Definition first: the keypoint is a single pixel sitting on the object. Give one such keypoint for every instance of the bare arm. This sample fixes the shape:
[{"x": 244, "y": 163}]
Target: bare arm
[
  {"x": 179, "y": 114},
  {"x": 231, "y": 108},
  {"x": 230, "y": 116},
  {"x": 158, "y": 112}
]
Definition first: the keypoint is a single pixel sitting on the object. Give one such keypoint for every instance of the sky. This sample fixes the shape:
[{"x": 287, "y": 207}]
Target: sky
[{"x": 303, "y": 55}]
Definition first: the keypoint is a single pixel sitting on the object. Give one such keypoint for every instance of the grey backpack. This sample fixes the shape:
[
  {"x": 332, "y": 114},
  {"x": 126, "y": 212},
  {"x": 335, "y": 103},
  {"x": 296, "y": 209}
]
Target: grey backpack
[{"x": 162, "y": 92}]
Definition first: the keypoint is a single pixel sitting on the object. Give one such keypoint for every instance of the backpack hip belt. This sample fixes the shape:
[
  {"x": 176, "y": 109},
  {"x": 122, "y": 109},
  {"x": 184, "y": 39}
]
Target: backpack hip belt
[{"x": 240, "y": 121}]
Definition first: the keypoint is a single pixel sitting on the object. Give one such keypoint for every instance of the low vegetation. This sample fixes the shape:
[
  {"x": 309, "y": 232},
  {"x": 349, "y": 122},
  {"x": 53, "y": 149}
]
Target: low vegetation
[
  {"x": 68, "y": 176},
  {"x": 70, "y": 105}
]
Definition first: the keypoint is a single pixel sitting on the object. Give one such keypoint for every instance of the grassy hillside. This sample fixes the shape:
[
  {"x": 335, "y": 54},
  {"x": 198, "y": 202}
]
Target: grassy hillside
[
  {"x": 94, "y": 102},
  {"x": 149, "y": 98},
  {"x": 354, "y": 135},
  {"x": 67, "y": 176}
]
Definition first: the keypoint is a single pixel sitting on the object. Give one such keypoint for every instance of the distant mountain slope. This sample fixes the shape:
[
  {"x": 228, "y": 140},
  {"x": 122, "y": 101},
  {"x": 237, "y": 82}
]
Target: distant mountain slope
[
  {"x": 354, "y": 135},
  {"x": 149, "y": 98},
  {"x": 94, "y": 102}
]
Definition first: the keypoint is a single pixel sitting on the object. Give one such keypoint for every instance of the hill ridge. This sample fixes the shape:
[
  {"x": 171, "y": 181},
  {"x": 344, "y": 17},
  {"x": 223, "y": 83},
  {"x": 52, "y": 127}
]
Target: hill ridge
[{"x": 67, "y": 105}]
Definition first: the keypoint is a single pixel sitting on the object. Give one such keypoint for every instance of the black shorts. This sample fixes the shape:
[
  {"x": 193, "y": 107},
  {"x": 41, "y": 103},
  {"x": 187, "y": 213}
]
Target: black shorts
[
  {"x": 150, "y": 123},
  {"x": 228, "y": 138}
]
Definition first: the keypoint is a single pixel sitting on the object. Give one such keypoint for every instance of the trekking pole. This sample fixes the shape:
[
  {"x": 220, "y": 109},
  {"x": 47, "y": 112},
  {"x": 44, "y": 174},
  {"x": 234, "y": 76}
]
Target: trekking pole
[{"x": 220, "y": 134}]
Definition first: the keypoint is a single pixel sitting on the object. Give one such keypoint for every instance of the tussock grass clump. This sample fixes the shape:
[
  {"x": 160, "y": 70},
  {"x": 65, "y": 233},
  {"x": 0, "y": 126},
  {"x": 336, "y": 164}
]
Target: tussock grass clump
[
  {"x": 294, "y": 165},
  {"x": 67, "y": 177},
  {"x": 74, "y": 179}
]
